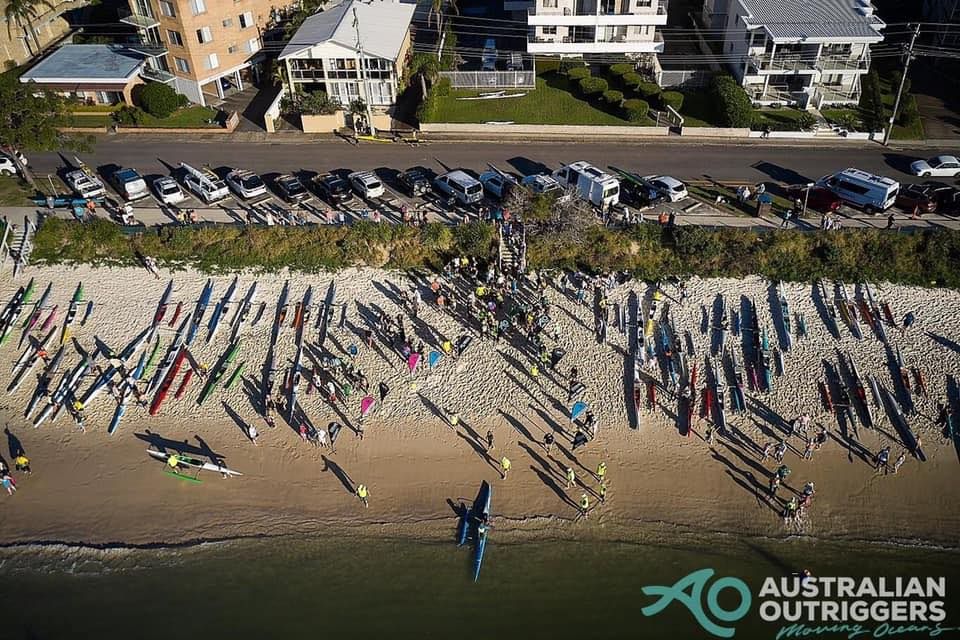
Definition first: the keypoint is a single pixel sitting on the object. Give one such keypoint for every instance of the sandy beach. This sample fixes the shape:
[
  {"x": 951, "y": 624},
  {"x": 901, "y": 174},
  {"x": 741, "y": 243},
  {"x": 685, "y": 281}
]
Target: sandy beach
[{"x": 93, "y": 488}]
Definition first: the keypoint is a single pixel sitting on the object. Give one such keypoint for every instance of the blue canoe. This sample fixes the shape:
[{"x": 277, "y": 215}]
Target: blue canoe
[{"x": 481, "y": 514}]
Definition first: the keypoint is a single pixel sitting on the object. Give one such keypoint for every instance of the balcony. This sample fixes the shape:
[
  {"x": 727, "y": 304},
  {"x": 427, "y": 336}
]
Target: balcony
[
  {"x": 775, "y": 95},
  {"x": 776, "y": 63},
  {"x": 827, "y": 94},
  {"x": 157, "y": 75},
  {"x": 614, "y": 45},
  {"x": 148, "y": 48},
  {"x": 138, "y": 21},
  {"x": 656, "y": 14},
  {"x": 844, "y": 63}
]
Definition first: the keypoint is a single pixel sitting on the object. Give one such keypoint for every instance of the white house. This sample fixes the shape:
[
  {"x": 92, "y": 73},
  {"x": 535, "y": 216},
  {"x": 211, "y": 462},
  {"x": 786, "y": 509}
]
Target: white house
[
  {"x": 585, "y": 27},
  {"x": 325, "y": 53},
  {"x": 808, "y": 53}
]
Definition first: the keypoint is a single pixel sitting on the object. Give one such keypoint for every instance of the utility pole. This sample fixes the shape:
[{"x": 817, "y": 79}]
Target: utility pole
[
  {"x": 362, "y": 76},
  {"x": 903, "y": 81}
]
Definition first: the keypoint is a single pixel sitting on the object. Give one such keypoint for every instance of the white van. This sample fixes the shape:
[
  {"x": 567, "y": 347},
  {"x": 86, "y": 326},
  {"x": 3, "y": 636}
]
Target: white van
[
  {"x": 593, "y": 185},
  {"x": 871, "y": 193},
  {"x": 461, "y": 186}
]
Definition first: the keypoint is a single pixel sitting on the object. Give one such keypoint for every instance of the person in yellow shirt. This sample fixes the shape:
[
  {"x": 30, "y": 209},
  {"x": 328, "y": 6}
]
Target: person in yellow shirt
[
  {"x": 362, "y": 493},
  {"x": 505, "y": 465},
  {"x": 22, "y": 463},
  {"x": 447, "y": 347},
  {"x": 601, "y": 471},
  {"x": 571, "y": 477},
  {"x": 173, "y": 461},
  {"x": 584, "y": 506}
]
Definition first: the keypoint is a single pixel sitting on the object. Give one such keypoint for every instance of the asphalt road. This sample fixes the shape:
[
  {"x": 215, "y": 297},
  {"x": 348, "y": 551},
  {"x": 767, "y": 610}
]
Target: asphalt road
[{"x": 746, "y": 163}]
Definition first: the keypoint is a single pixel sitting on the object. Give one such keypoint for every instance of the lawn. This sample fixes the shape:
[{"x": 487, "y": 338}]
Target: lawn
[
  {"x": 186, "y": 118},
  {"x": 782, "y": 116},
  {"x": 550, "y": 103},
  {"x": 14, "y": 192},
  {"x": 913, "y": 132},
  {"x": 95, "y": 108},
  {"x": 698, "y": 111},
  {"x": 93, "y": 120}
]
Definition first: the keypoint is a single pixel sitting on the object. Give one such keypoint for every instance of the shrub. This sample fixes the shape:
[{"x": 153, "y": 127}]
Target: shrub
[
  {"x": 129, "y": 115},
  {"x": 631, "y": 80},
  {"x": 567, "y": 64},
  {"x": 846, "y": 120},
  {"x": 547, "y": 65},
  {"x": 871, "y": 102},
  {"x": 613, "y": 97},
  {"x": 158, "y": 99},
  {"x": 909, "y": 113},
  {"x": 732, "y": 102},
  {"x": 578, "y": 73},
  {"x": 635, "y": 110},
  {"x": 895, "y": 79},
  {"x": 318, "y": 103},
  {"x": 441, "y": 87},
  {"x": 648, "y": 90},
  {"x": 806, "y": 121},
  {"x": 621, "y": 69},
  {"x": 593, "y": 86},
  {"x": 671, "y": 99}
]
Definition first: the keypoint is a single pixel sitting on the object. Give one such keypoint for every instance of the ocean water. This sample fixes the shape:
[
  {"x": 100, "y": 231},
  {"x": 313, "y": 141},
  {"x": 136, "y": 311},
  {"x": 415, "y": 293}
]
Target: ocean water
[{"x": 343, "y": 586}]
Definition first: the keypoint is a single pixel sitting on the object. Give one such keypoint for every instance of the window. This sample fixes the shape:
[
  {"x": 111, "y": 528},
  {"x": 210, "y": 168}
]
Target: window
[
  {"x": 228, "y": 23},
  {"x": 549, "y": 4},
  {"x": 204, "y": 35},
  {"x": 253, "y": 45},
  {"x": 174, "y": 37},
  {"x": 213, "y": 61},
  {"x": 549, "y": 31},
  {"x": 198, "y": 7},
  {"x": 232, "y": 48},
  {"x": 182, "y": 65},
  {"x": 644, "y": 3},
  {"x": 246, "y": 19},
  {"x": 166, "y": 9}
]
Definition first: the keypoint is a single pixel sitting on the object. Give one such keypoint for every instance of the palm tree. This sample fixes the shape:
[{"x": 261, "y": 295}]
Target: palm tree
[{"x": 25, "y": 12}]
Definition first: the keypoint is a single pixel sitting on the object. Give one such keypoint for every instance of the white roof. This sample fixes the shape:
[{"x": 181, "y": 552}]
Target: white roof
[
  {"x": 815, "y": 20},
  {"x": 383, "y": 27}
]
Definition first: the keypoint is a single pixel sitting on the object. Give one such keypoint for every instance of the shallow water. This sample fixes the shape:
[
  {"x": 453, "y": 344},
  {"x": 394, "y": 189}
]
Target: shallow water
[{"x": 374, "y": 588}]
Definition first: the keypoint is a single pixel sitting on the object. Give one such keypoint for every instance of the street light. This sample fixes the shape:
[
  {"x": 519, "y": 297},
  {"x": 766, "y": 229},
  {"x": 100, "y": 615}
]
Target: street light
[{"x": 806, "y": 196}]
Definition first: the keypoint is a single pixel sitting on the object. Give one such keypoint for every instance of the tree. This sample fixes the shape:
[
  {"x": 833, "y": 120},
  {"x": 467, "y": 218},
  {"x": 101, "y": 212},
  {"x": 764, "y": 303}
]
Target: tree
[
  {"x": 871, "y": 102},
  {"x": 731, "y": 101},
  {"x": 426, "y": 67},
  {"x": 307, "y": 8},
  {"x": 25, "y": 12},
  {"x": 30, "y": 119},
  {"x": 158, "y": 99}
]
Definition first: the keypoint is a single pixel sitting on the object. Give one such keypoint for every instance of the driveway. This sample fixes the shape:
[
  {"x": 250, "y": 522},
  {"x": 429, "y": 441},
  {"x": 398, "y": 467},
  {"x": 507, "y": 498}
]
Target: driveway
[{"x": 251, "y": 103}]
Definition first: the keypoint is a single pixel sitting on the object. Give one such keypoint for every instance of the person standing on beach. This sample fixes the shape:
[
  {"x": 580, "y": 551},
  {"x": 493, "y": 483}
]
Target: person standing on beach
[
  {"x": 363, "y": 494},
  {"x": 883, "y": 456},
  {"x": 767, "y": 450},
  {"x": 9, "y": 484},
  {"x": 453, "y": 418},
  {"x": 22, "y": 463},
  {"x": 584, "y": 506},
  {"x": 808, "y": 452},
  {"x": 535, "y": 374},
  {"x": 173, "y": 461},
  {"x": 253, "y": 434},
  {"x": 505, "y": 465},
  {"x": 601, "y": 471},
  {"x": 603, "y": 492},
  {"x": 780, "y": 451},
  {"x": 899, "y": 462},
  {"x": 571, "y": 478},
  {"x": 908, "y": 321},
  {"x": 490, "y": 446},
  {"x": 322, "y": 438},
  {"x": 548, "y": 442}
]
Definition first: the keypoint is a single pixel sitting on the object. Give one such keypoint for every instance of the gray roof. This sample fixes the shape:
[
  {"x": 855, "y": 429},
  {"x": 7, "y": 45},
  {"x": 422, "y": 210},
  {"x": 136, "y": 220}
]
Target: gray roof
[
  {"x": 77, "y": 63},
  {"x": 383, "y": 27},
  {"x": 814, "y": 19}
]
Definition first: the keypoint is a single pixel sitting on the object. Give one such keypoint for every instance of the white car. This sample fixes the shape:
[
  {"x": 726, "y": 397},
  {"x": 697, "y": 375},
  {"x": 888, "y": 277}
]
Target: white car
[
  {"x": 7, "y": 166},
  {"x": 496, "y": 184},
  {"x": 366, "y": 184},
  {"x": 168, "y": 191},
  {"x": 85, "y": 185},
  {"x": 669, "y": 188},
  {"x": 246, "y": 184},
  {"x": 947, "y": 166},
  {"x": 539, "y": 183}
]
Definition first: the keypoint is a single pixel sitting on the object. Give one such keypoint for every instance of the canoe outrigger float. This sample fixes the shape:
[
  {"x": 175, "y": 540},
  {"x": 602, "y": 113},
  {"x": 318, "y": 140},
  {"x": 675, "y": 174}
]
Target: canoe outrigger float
[{"x": 190, "y": 462}]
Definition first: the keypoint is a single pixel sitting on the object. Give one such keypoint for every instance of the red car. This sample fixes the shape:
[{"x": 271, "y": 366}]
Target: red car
[
  {"x": 820, "y": 199},
  {"x": 916, "y": 197}
]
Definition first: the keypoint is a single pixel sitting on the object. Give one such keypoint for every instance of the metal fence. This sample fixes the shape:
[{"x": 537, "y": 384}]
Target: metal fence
[
  {"x": 491, "y": 79},
  {"x": 686, "y": 79}
]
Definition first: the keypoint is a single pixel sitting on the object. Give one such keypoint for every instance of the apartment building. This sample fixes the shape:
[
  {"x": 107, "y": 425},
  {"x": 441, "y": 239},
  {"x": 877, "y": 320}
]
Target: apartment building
[
  {"x": 325, "y": 53},
  {"x": 23, "y": 40},
  {"x": 803, "y": 53},
  {"x": 585, "y": 27},
  {"x": 206, "y": 49}
]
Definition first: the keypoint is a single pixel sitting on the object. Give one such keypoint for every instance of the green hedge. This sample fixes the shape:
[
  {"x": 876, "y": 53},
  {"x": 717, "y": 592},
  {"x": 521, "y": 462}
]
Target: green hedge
[
  {"x": 671, "y": 99},
  {"x": 928, "y": 257},
  {"x": 620, "y": 70},
  {"x": 613, "y": 97},
  {"x": 568, "y": 64},
  {"x": 648, "y": 90},
  {"x": 593, "y": 86},
  {"x": 635, "y": 110},
  {"x": 733, "y": 105},
  {"x": 578, "y": 73},
  {"x": 631, "y": 80},
  {"x": 909, "y": 112}
]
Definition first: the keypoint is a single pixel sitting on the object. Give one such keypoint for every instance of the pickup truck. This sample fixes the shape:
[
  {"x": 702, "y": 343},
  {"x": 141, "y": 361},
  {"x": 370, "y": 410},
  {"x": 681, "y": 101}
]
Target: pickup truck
[
  {"x": 129, "y": 184},
  {"x": 84, "y": 184}
]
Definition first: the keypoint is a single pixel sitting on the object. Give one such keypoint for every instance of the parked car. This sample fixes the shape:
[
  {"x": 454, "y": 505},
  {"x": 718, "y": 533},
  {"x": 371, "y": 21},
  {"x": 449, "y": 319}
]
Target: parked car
[
  {"x": 332, "y": 188},
  {"x": 666, "y": 187},
  {"x": 84, "y": 184},
  {"x": 916, "y": 196},
  {"x": 819, "y": 198},
  {"x": 7, "y": 166},
  {"x": 497, "y": 184},
  {"x": 859, "y": 188},
  {"x": 540, "y": 183},
  {"x": 246, "y": 184},
  {"x": 946, "y": 196},
  {"x": 129, "y": 184},
  {"x": 936, "y": 166},
  {"x": 291, "y": 189},
  {"x": 168, "y": 191},
  {"x": 460, "y": 187},
  {"x": 415, "y": 181},
  {"x": 204, "y": 183},
  {"x": 366, "y": 184}
]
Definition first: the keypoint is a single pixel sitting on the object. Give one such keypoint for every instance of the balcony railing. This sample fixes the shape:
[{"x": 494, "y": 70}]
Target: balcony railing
[
  {"x": 836, "y": 93},
  {"x": 138, "y": 21},
  {"x": 148, "y": 48},
  {"x": 780, "y": 94},
  {"x": 157, "y": 75},
  {"x": 844, "y": 63},
  {"x": 775, "y": 62},
  {"x": 624, "y": 9}
]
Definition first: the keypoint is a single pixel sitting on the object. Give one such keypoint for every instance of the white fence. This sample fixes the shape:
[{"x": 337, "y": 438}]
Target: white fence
[{"x": 491, "y": 79}]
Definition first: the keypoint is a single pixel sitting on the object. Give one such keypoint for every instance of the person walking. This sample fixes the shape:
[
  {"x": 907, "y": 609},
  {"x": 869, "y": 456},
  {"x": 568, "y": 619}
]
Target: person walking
[
  {"x": 323, "y": 440},
  {"x": 808, "y": 452},
  {"x": 548, "y": 442},
  {"x": 453, "y": 418},
  {"x": 571, "y": 478},
  {"x": 780, "y": 451},
  {"x": 603, "y": 492},
  {"x": 883, "y": 456},
  {"x": 890, "y": 220},
  {"x": 535, "y": 374},
  {"x": 584, "y": 506},
  {"x": 9, "y": 484},
  {"x": 601, "y": 471},
  {"x": 767, "y": 450},
  {"x": 490, "y": 446},
  {"x": 908, "y": 321},
  {"x": 363, "y": 494},
  {"x": 505, "y": 465},
  {"x": 899, "y": 462},
  {"x": 253, "y": 434}
]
